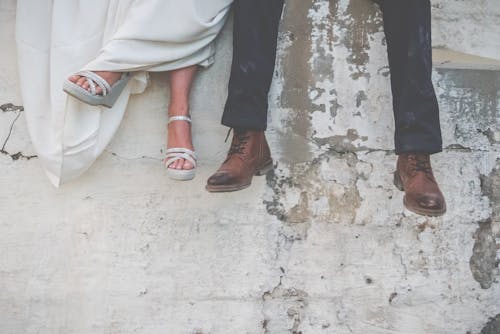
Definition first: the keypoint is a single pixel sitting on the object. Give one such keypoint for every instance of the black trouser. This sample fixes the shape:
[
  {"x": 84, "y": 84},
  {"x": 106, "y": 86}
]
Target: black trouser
[{"x": 407, "y": 25}]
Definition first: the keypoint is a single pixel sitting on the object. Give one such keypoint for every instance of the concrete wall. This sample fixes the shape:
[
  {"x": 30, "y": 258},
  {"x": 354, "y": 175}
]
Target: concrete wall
[
  {"x": 323, "y": 245},
  {"x": 467, "y": 26}
]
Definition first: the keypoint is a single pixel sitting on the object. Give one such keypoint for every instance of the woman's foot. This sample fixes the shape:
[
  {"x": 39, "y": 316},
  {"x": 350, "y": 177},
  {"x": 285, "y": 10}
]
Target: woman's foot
[
  {"x": 110, "y": 77},
  {"x": 179, "y": 135}
]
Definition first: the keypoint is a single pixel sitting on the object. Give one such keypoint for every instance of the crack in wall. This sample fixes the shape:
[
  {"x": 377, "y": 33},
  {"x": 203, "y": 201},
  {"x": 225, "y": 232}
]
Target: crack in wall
[
  {"x": 10, "y": 132},
  {"x": 121, "y": 157},
  {"x": 283, "y": 307},
  {"x": 9, "y": 107},
  {"x": 290, "y": 303}
]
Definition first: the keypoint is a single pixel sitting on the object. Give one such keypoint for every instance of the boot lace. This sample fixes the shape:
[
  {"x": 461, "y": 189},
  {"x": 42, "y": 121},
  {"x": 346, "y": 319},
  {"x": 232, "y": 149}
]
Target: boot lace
[
  {"x": 421, "y": 164},
  {"x": 239, "y": 142}
]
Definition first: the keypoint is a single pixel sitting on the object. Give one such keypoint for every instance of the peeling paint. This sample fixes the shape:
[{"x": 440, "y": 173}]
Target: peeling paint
[
  {"x": 358, "y": 23},
  {"x": 331, "y": 195},
  {"x": 471, "y": 99}
]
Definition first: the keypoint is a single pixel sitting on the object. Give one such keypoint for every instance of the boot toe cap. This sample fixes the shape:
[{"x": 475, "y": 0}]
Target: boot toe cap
[{"x": 219, "y": 179}]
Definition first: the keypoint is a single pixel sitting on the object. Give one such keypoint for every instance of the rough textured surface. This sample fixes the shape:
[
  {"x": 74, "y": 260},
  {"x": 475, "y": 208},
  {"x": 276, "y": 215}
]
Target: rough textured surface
[
  {"x": 322, "y": 245},
  {"x": 467, "y": 26},
  {"x": 484, "y": 256},
  {"x": 493, "y": 326}
]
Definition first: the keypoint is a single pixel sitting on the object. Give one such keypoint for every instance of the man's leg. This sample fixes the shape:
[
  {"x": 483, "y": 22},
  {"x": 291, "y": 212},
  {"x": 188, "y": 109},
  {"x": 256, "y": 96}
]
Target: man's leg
[
  {"x": 407, "y": 25},
  {"x": 255, "y": 36},
  {"x": 255, "y": 32}
]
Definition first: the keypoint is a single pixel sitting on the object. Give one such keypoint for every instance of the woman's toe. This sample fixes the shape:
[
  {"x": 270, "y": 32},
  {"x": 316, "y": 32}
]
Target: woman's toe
[
  {"x": 180, "y": 163},
  {"x": 81, "y": 81},
  {"x": 187, "y": 165},
  {"x": 74, "y": 78}
]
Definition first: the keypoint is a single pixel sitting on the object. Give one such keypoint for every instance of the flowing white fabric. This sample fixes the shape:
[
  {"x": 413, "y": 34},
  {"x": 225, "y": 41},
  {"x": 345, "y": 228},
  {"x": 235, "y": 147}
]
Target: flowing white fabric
[{"x": 56, "y": 38}]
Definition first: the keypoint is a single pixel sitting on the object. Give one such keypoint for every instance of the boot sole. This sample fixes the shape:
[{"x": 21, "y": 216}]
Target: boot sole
[
  {"x": 268, "y": 166},
  {"x": 424, "y": 212}
]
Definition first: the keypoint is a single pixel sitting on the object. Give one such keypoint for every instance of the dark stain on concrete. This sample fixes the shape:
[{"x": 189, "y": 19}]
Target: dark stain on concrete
[
  {"x": 484, "y": 262},
  {"x": 360, "y": 20},
  {"x": 343, "y": 143},
  {"x": 360, "y": 98},
  {"x": 392, "y": 297},
  {"x": 493, "y": 326},
  {"x": 307, "y": 179},
  {"x": 484, "y": 256},
  {"x": 278, "y": 184},
  {"x": 299, "y": 76},
  {"x": 490, "y": 186}
]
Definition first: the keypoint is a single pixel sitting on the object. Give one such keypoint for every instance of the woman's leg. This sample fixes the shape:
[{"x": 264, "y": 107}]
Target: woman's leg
[{"x": 179, "y": 133}]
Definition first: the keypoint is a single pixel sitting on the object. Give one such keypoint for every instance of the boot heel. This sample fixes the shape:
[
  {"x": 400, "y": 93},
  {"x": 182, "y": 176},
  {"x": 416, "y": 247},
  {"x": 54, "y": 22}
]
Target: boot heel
[
  {"x": 266, "y": 169},
  {"x": 398, "y": 182}
]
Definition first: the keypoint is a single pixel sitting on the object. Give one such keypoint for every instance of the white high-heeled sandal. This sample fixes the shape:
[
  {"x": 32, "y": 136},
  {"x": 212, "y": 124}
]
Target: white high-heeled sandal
[
  {"x": 175, "y": 154},
  {"x": 109, "y": 93}
]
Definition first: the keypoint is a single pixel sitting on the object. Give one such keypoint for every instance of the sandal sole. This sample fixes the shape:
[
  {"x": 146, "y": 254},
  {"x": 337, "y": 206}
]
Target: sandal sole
[{"x": 181, "y": 175}]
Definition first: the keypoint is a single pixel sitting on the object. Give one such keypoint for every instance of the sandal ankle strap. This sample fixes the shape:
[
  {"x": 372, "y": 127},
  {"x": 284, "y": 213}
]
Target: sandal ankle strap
[{"x": 179, "y": 118}]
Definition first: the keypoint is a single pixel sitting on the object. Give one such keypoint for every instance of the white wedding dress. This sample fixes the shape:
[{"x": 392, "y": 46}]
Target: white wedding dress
[{"x": 56, "y": 38}]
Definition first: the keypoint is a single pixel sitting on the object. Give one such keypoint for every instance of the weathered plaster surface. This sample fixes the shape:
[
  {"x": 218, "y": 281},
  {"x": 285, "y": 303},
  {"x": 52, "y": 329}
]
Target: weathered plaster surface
[
  {"x": 467, "y": 26},
  {"x": 322, "y": 245}
]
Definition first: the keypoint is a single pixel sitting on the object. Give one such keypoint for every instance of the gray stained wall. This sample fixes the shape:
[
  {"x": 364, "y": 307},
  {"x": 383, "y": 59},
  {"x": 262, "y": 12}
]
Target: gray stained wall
[{"x": 322, "y": 245}]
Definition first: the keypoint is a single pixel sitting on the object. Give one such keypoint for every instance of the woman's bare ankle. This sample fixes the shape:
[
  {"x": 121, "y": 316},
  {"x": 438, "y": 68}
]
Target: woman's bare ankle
[{"x": 179, "y": 134}]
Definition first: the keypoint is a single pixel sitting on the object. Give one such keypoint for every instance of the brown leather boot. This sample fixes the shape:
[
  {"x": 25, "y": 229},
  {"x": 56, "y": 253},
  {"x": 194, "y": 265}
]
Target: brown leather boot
[
  {"x": 249, "y": 155},
  {"x": 414, "y": 176}
]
